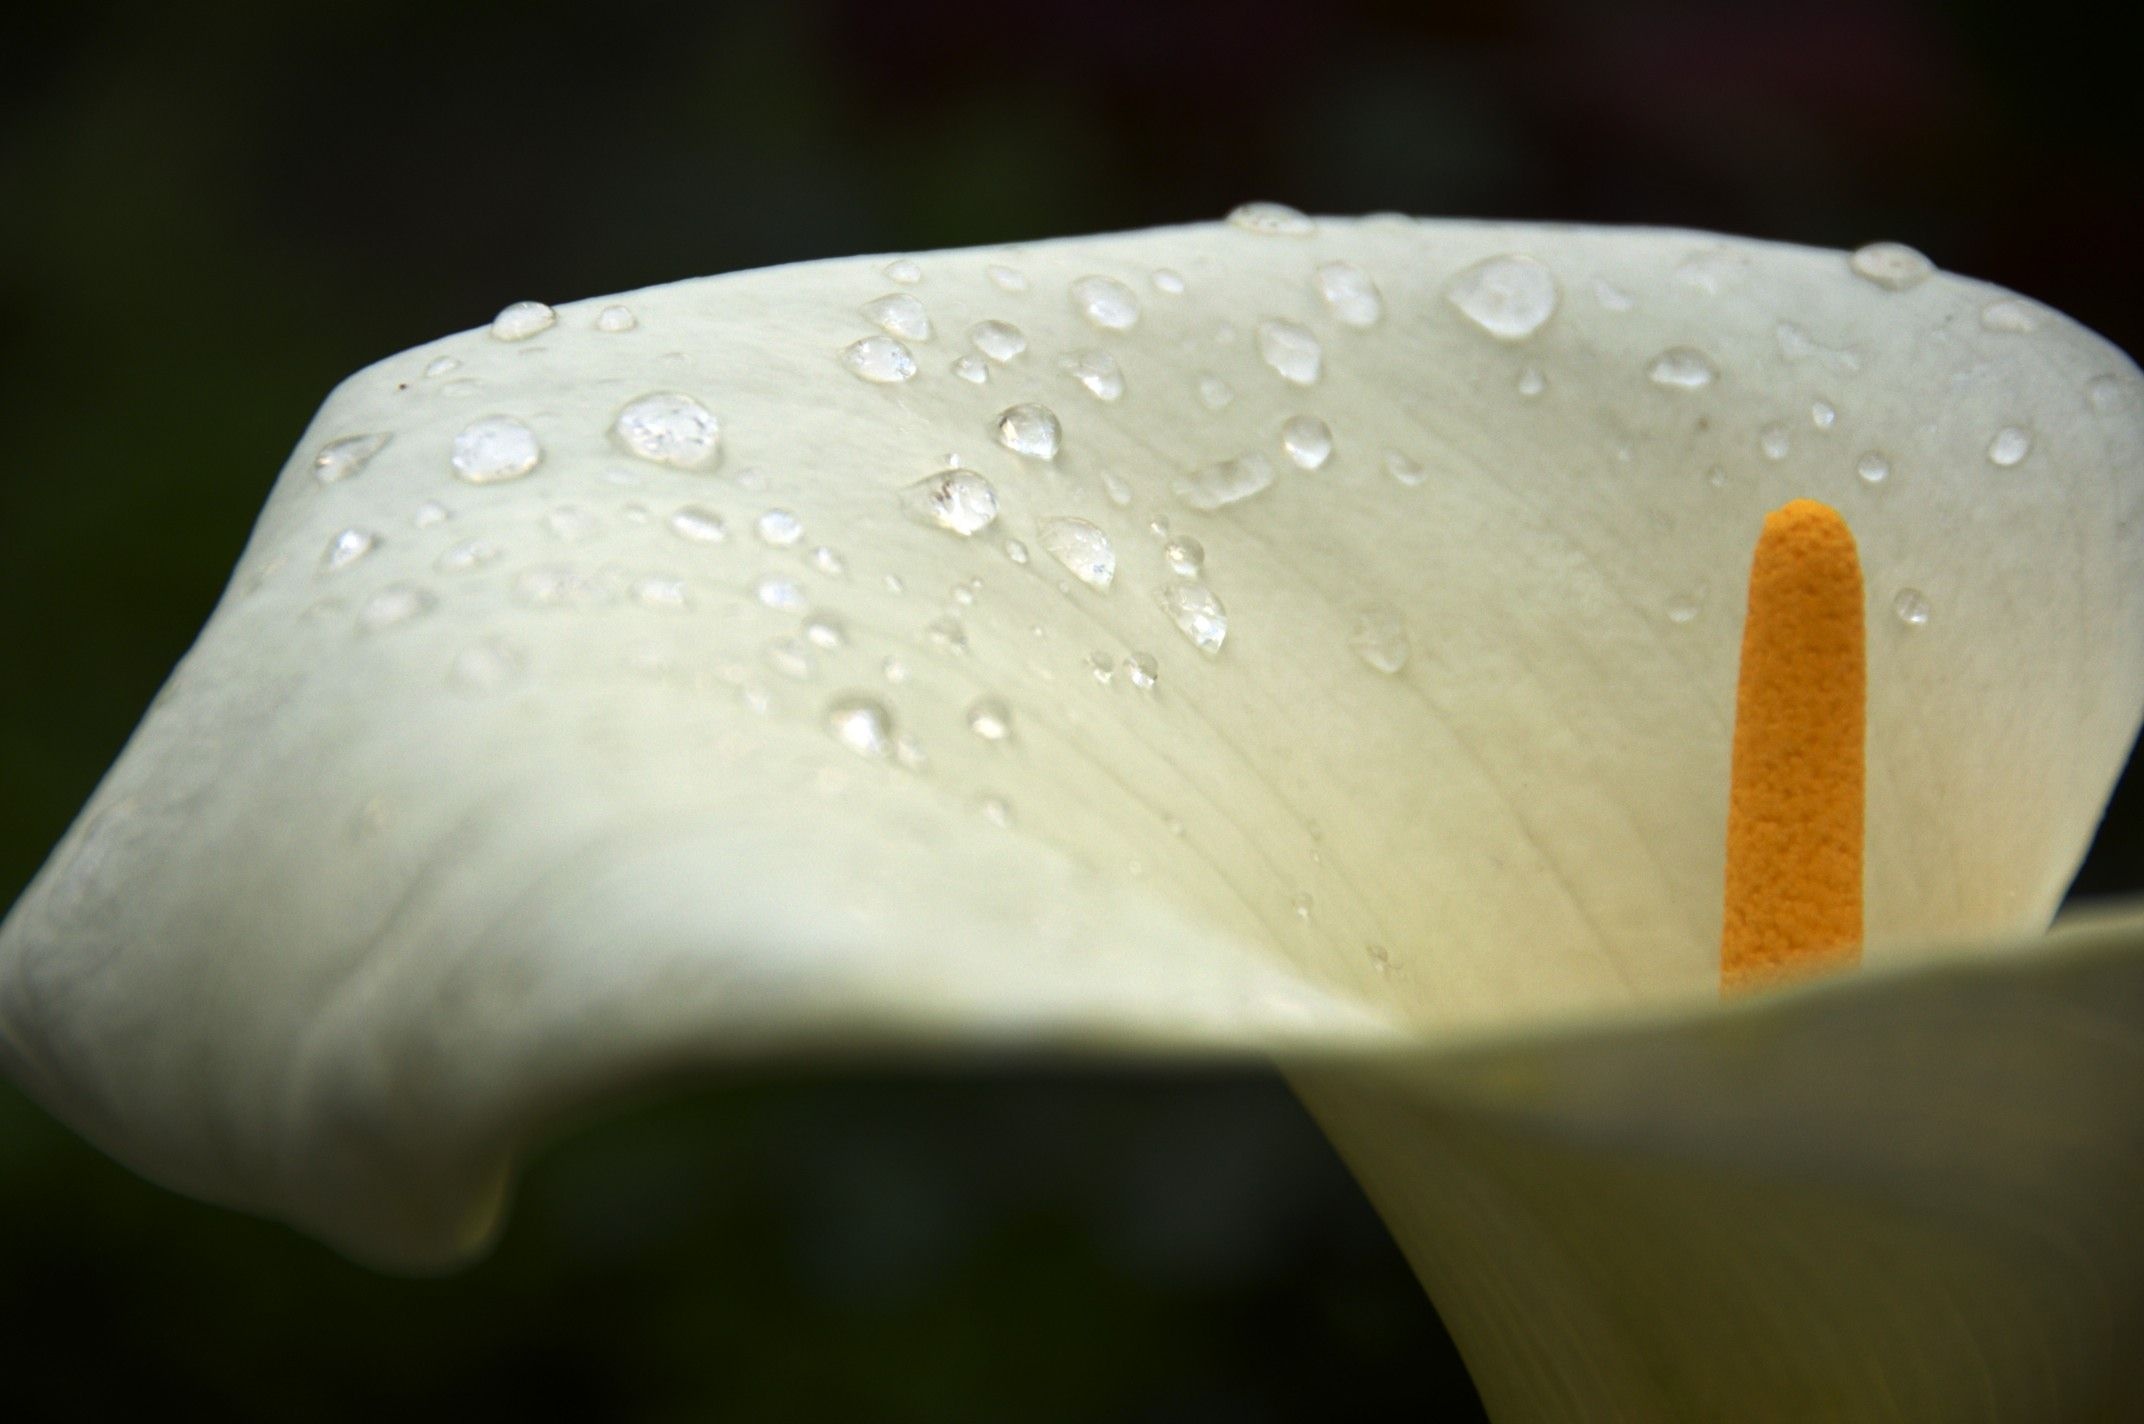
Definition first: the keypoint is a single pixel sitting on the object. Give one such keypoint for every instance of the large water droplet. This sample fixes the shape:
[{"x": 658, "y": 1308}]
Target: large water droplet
[
  {"x": 1229, "y": 482},
  {"x": 958, "y": 500},
  {"x": 1308, "y": 441},
  {"x": 495, "y": 449},
  {"x": 615, "y": 319},
  {"x": 779, "y": 528},
  {"x": 1291, "y": 350},
  {"x": 340, "y": 459},
  {"x": 1030, "y": 430},
  {"x": 670, "y": 429},
  {"x": 1349, "y": 294},
  {"x": 1082, "y": 548},
  {"x": 1097, "y": 371},
  {"x": 1106, "y": 302},
  {"x": 879, "y": 358},
  {"x": 1511, "y": 298},
  {"x": 1272, "y": 220},
  {"x": 862, "y": 724},
  {"x": 990, "y": 719},
  {"x": 1380, "y": 637},
  {"x": 698, "y": 524},
  {"x": 899, "y": 314},
  {"x": 1683, "y": 368},
  {"x": 1892, "y": 266},
  {"x": 2010, "y": 445},
  {"x": 1197, "y": 612},
  {"x": 522, "y": 320},
  {"x": 1911, "y": 607},
  {"x": 999, "y": 340},
  {"x": 347, "y": 548}
]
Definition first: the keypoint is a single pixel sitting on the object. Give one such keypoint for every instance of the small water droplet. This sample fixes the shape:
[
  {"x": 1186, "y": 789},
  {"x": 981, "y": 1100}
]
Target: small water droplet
[
  {"x": 958, "y": 500},
  {"x": 792, "y": 658},
  {"x": 394, "y": 604},
  {"x": 1611, "y": 297},
  {"x": 826, "y": 630},
  {"x": 1214, "y": 393},
  {"x": 1142, "y": 670},
  {"x": 340, "y": 459},
  {"x": 1380, "y": 959},
  {"x": 828, "y": 562},
  {"x": 1823, "y": 415},
  {"x": 1892, "y": 266},
  {"x": 1291, "y": 350},
  {"x": 347, "y": 548},
  {"x": 990, "y": 719},
  {"x": 429, "y": 514},
  {"x": 522, "y": 320},
  {"x": 947, "y": 634},
  {"x": 1082, "y": 548},
  {"x": 1912, "y": 607},
  {"x": 1685, "y": 606},
  {"x": 1531, "y": 382},
  {"x": 1103, "y": 667},
  {"x": 893, "y": 670},
  {"x": 1716, "y": 477},
  {"x": 1304, "y": 905},
  {"x": 666, "y": 428},
  {"x": 616, "y": 318},
  {"x": 779, "y": 528},
  {"x": 1097, "y": 371},
  {"x": 899, "y": 314},
  {"x": 1169, "y": 281},
  {"x": 1683, "y": 368},
  {"x": 2010, "y": 445},
  {"x": 1776, "y": 441},
  {"x": 1197, "y": 612},
  {"x": 1406, "y": 469},
  {"x": 1184, "y": 555},
  {"x": 783, "y": 595},
  {"x": 568, "y": 522},
  {"x": 1272, "y": 220},
  {"x": 467, "y": 555},
  {"x": 1380, "y": 637},
  {"x": 880, "y": 359},
  {"x": 1349, "y": 294},
  {"x": 1511, "y": 298},
  {"x": 1229, "y": 482},
  {"x": 663, "y": 594},
  {"x": 972, "y": 369},
  {"x": 1106, "y": 302},
  {"x": 1030, "y": 430},
  {"x": 904, "y": 271},
  {"x": 1308, "y": 441},
  {"x": 1873, "y": 467},
  {"x": 486, "y": 665},
  {"x": 2106, "y": 392},
  {"x": 1016, "y": 551},
  {"x": 698, "y": 524},
  {"x": 999, "y": 340},
  {"x": 1005, "y": 279},
  {"x": 2009, "y": 314},
  {"x": 439, "y": 366},
  {"x": 862, "y": 724},
  {"x": 557, "y": 586},
  {"x": 495, "y": 449}
]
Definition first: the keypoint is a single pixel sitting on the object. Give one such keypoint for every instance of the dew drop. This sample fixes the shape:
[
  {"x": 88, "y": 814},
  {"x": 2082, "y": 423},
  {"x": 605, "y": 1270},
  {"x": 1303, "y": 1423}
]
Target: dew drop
[
  {"x": 439, "y": 366},
  {"x": 486, "y": 665},
  {"x": 397, "y": 603},
  {"x": 958, "y": 500},
  {"x": 999, "y": 340},
  {"x": 2105, "y": 392},
  {"x": 1142, "y": 670},
  {"x": 1304, "y": 905},
  {"x": 1531, "y": 382},
  {"x": 1683, "y": 368},
  {"x": 1214, "y": 393},
  {"x": 904, "y": 271},
  {"x": 1684, "y": 607},
  {"x": 556, "y": 586},
  {"x": 1229, "y": 482},
  {"x": 1184, "y": 555},
  {"x": 662, "y": 594},
  {"x": 1097, "y": 371},
  {"x": 1511, "y": 298},
  {"x": 862, "y": 724},
  {"x": 340, "y": 459},
  {"x": 1082, "y": 548},
  {"x": 1005, "y": 279},
  {"x": 1168, "y": 281},
  {"x": 990, "y": 719},
  {"x": 670, "y": 429},
  {"x": 971, "y": 369},
  {"x": 1350, "y": 295},
  {"x": 1823, "y": 415},
  {"x": 779, "y": 528},
  {"x": 947, "y": 635},
  {"x": 783, "y": 595},
  {"x": 1911, "y": 607},
  {"x": 792, "y": 658},
  {"x": 893, "y": 670},
  {"x": 1272, "y": 220},
  {"x": 495, "y": 449},
  {"x": 1873, "y": 467},
  {"x": 467, "y": 555},
  {"x": 2008, "y": 314},
  {"x": 1776, "y": 441},
  {"x": 1197, "y": 612},
  {"x": 1404, "y": 468},
  {"x": 1308, "y": 441},
  {"x": 1291, "y": 350},
  {"x": 429, "y": 514},
  {"x": 996, "y": 810},
  {"x": 1030, "y": 430},
  {"x": 1892, "y": 266},
  {"x": 698, "y": 524},
  {"x": 1380, "y": 637},
  {"x": 616, "y": 318},
  {"x": 522, "y": 320},
  {"x": 880, "y": 359},
  {"x": 1103, "y": 667},
  {"x": 1611, "y": 297},
  {"x": 828, "y": 562},
  {"x": 347, "y": 548},
  {"x": 1106, "y": 302},
  {"x": 2010, "y": 445},
  {"x": 899, "y": 314},
  {"x": 568, "y": 522},
  {"x": 826, "y": 631}
]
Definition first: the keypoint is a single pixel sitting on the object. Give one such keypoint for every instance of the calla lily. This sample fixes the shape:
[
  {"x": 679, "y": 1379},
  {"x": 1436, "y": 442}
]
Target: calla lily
[{"x": 1301, "y": 641}]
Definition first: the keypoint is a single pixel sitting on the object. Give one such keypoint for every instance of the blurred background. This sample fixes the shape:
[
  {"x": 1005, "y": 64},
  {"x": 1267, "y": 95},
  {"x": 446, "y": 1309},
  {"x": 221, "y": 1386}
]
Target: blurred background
[{"x": 209, "y": 214}]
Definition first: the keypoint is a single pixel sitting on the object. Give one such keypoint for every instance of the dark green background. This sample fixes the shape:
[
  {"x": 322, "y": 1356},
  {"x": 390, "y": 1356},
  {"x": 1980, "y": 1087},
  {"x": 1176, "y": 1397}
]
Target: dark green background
[{"x": 206, "y": 219}]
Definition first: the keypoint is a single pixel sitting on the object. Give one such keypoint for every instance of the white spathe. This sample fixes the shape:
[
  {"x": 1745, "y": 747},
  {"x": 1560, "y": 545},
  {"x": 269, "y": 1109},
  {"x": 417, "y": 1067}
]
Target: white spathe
[{"x": 535, "y": 796}]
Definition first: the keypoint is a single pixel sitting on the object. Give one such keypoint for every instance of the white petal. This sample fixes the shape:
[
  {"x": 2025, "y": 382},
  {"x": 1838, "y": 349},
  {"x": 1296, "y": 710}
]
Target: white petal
[{"x": 347, "y": 919}]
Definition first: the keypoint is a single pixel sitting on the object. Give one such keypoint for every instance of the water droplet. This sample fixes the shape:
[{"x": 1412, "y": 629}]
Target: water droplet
[
  {"x": 990, "y": 719},
  {"x": 698, "y": 524},
  {"x": 1291, "y": 350},
  {"x": 2010, "y": 445},
  {"x": 1912, "y": 608},
  {"x": 1683, "y": 368},
  {"x": 396, "y": 603},
  {"x": 1005, "y": 279},
  {"x": 1103, "y": 667},
  {"x": 893, "y": 670},
  {"x": 616, "y": 318},
  {"x": 862, "y": 724},
  {"x": 899, "y": 314},
  {"x": 569, "y": 522},
  {"x": 996, "y": 810},
  {"x": 1308, "y": 441},
  {"x": 1229, "y": 482},
  {"x": 1349, "y": 294},
  {"x": 779, "y": 528},
  {"x": 1184, "y": 555},
  {"x": 670, "y": 429},
  {"x": 1404, "y": 468},
  {"x": 1684, "y": 607},
  {"x": 1511, "y": 298},
  {"x": 1716, "y": 477},
  {"x": 971, "y": 369},
  {"x": 1823, "y": 415},
  {"x": 1380, "y": 637},
  {"x": 522, "y": 320},
  {"x": 904, "y": 271},
  {"x": 1611, "y": 297},
  {"x": 1776, "y": 441},
  {"x": 1097, "y": 371},
  {"x": 827, "y": 562},
  {"x": 1106, "y": 302},
  {"x": 1532, "y": 382},
  {"x": 429, "y": 514},
  {"x": 1030, "y": 430},
  {"x": 439, "y": 366},
  {"x": 2008, "y": 314},
  {"x": 1272, "y": 220},
  {"x": 1169, "y": 281},
  {"x": 1214, "y": 393},
  {"x": 1873, "y": 467},
  {"x": 958, "y": 500},
  {"x": 826, "y": 630},
  {"x": 664, "y": 594},
  {"x": 1892, "y": 266},
  {"x": 999, "y": 340},
  {"x": 486, "y": 665},
  {"x": 1303, "y": 904},
  {"x": 2105, "y": 392},
  {"x": 1142, "y": 670},
  {"x": 467, "y": 555},
  {"x": 880, "y": 359},
  {"x": 347, "y": 548},
  {"x": 556, "y": 586},
  {"x": 495, "y": 449},
  {"x": 791, "y": 658},
  {"x": 783, "y": 595},
  {"x": 340, "y": 459},
  {"x": 1197, "y": 612},
  {"x": 1082, "y": 548},
  {"x": 947, "y": 634}
]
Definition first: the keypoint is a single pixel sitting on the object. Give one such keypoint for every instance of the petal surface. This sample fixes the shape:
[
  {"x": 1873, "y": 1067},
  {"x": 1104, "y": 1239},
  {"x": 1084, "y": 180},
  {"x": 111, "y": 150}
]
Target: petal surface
[{"x": 639, "y": 689}]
